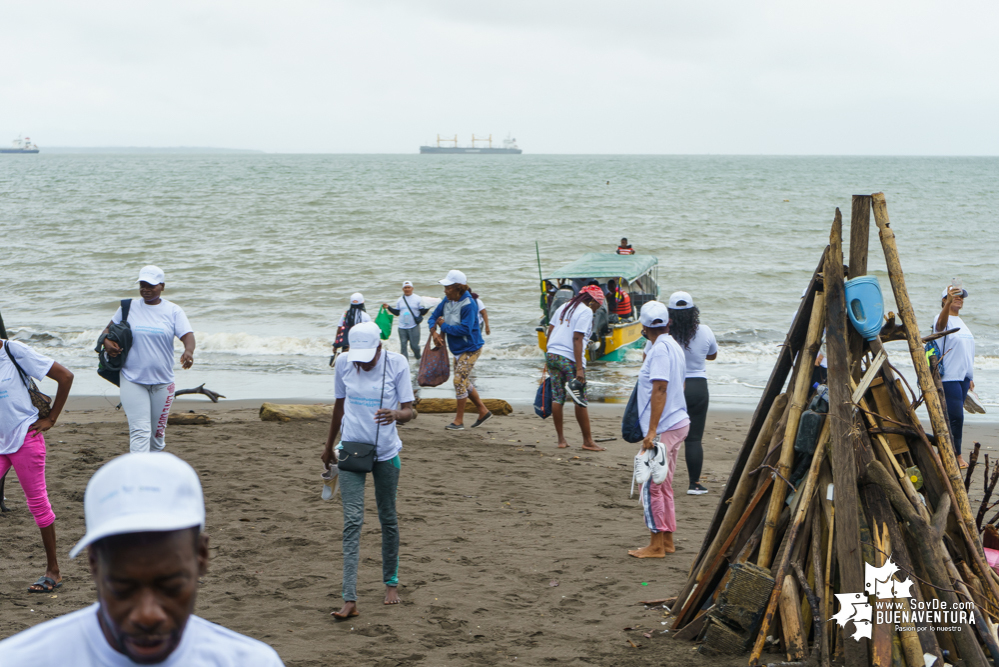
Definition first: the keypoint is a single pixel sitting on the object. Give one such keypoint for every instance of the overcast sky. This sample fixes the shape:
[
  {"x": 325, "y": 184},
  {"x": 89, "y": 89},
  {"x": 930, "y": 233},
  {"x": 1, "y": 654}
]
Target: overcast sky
[{"x": 581, "y": 76}]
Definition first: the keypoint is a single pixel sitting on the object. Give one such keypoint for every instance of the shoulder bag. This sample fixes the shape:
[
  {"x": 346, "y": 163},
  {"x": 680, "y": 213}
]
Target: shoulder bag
[
  {"x": 109, "y": 367},
  {"x": 416, "y": 318},
  {"x": 42, "y": 402},
  {"x": 360, "y": 456}
]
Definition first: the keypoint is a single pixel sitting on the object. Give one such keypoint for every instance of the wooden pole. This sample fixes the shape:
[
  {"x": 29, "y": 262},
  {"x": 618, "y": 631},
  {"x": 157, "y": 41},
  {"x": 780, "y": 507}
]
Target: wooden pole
[
  {"x": 941, "y": 429},
  {"x": 785, "y": 360},
  {"x": 790, "y": 619},
  {"x": 860, "y": 226},
  {"x": 802, "y": 385},
  {"x": 740, "y": 497},
  {"x": 844, "y": 464}
]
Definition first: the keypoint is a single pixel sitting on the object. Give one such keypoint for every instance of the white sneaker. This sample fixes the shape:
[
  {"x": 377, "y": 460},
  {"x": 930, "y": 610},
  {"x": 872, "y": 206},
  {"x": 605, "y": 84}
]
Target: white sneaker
[{"x": 697, "y": 490}]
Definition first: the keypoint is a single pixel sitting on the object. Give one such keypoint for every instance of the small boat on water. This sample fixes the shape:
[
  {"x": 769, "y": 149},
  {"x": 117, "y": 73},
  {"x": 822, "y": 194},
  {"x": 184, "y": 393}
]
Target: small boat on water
[
  {"x": 21, "y": 146},
  {"x": 613, "y": 335}
]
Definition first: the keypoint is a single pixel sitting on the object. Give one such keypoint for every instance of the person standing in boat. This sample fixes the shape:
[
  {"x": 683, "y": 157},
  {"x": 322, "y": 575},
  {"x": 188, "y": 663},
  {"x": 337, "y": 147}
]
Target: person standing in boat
[
  {"x": 147, "y": 386},
  {"x": 565, "y": 356},
  {"x": 958, "y": 361},
  {"x": 457, "y": 317},
  {"x": 699, "y": 346},
  {"x": 355, "y": 314},
  {"x": 620, "y": 302},
  {"x": 410, "y": 311},
  {"x": 662, "y": 413}
]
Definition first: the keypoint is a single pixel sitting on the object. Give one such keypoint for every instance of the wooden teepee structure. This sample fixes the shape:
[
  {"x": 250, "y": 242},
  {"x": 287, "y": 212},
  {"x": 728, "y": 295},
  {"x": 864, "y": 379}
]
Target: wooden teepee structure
[{"x": 805, "y": 519}]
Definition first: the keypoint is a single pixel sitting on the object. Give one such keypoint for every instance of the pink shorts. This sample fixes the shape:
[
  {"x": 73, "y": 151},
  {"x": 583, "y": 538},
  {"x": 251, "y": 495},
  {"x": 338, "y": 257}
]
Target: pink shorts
[{"x": 29, "y": 465}]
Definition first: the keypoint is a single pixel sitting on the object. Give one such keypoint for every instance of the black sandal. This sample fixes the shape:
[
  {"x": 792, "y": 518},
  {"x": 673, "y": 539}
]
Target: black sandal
[{"x": 48, "y": 584}]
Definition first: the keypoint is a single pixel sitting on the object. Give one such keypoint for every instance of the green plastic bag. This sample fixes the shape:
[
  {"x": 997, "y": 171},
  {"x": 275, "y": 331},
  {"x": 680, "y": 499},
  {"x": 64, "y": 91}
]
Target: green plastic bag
[{"x": 384, "y": 321}]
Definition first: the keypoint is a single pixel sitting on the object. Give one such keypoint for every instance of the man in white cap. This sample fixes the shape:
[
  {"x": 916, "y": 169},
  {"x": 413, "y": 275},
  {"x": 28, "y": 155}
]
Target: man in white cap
[
  {"x": 457, "y": 317},
  {"x": 410, "y": 311},
  {"x": 145, "y": 514},
  {"x": 662, "y": 413}
]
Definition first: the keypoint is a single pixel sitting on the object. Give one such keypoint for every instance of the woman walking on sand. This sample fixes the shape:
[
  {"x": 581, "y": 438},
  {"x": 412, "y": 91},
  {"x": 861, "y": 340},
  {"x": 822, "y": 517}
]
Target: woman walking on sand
[
  {"x": 457, "y": 316},
  {"x": 373, "y": 393},
  {"x": 699, "y": 346},
  {"x": 565, "y": 356},
  {"x": 958, "y": 361},
  {"x": 147, "y": 386},
  {"x": 22, "y": 445},
  {"x": 662, "y": 413}
]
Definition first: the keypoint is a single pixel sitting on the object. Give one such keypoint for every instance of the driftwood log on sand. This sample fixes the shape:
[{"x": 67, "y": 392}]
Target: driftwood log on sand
[{"x": 428, "y": 406}]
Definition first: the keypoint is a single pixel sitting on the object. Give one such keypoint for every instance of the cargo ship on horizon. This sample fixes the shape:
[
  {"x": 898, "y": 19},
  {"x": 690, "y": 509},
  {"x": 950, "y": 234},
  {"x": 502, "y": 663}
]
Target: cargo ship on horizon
[
  {"x": 509, "y": 146},
  {"x": 21, "y": 146}
]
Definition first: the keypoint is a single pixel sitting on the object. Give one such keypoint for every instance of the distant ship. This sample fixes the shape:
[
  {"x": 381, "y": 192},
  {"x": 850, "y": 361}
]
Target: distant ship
[
  {"x": 509, "y": 146},
  {"x": 21, "y": 146}
]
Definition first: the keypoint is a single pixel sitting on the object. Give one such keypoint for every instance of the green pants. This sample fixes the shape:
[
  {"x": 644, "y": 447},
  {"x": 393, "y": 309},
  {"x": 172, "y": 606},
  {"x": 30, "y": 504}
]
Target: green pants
[{"x": 386, "y": 478}]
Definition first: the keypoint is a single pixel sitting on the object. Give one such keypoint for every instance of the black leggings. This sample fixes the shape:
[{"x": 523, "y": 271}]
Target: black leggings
[{"x": 695, "y": 390}]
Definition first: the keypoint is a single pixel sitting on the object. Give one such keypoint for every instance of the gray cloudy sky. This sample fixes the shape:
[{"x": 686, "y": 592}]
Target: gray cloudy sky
[{"x": 580, "y": 76}]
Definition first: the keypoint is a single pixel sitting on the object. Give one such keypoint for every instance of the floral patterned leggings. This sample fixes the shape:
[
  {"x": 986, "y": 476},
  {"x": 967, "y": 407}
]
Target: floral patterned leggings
[{"x": 463, "y": 364}]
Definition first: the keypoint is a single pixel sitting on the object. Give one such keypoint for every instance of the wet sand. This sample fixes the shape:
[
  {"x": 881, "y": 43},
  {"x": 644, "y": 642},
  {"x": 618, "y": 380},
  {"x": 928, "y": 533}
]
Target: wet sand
[{"x": 513, "y": 551}]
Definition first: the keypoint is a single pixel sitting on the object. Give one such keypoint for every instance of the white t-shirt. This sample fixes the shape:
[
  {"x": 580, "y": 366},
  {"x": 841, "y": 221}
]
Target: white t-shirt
[
  {"x": 958, "y": 351},
  {"x": 150, "y": 359},
  {"x": 482, "y": 320},
  {"x": 664, "y": 361},
  {"x": 360, "y": 389},
  {"x": 561, "y": 340},
  {"x": 77, "y": 639},
  {"x": 364, "y": 318},
  {"x": 406, "y": 320},
  {"x": 16, "y": 411},
  {"x": 700, "y": 347}
]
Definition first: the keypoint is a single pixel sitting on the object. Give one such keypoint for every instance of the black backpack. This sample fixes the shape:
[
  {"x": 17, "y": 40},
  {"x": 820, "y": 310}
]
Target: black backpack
[{"x": 109, "y": 367}]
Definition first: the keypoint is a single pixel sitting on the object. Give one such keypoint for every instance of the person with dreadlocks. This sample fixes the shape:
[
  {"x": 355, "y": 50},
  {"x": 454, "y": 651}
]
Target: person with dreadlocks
[
  {"x": 568, "y": 334},
  {"x": 699, "y": 346},
  {"x": 355, "y": 314}
]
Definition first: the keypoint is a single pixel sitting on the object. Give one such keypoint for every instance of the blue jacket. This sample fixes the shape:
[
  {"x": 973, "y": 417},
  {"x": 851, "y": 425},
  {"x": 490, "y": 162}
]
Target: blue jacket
[{"x": 464, "y": 337}]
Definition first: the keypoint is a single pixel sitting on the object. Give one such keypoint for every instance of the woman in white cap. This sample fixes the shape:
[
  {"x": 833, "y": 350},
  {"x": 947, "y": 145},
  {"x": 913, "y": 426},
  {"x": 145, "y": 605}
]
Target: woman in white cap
[
  {"x": 457, "y": 317},
  {"x": 373, "y": 393},
  {"x": 410, "y": 311},
  {"x": 662, "y": 413},
  {"x": 958, "y": 361},
  {"x": 22, "y": 445},
  {"x": 147, "y": 386},
  {"x": 699, "y": 346},
  {"x": 355, "y": 314}
]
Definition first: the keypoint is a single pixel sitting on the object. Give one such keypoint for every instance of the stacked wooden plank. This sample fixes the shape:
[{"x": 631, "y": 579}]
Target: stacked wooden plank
[{"x": 819, "y": 526}]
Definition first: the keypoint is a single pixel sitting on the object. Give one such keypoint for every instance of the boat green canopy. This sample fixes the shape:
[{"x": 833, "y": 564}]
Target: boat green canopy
[{"x": 606, "y": 265}]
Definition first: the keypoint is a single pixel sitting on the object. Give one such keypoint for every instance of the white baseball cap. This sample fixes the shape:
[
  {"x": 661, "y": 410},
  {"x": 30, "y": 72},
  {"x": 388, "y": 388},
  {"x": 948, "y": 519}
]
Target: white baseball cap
[
  {"x": 364, "y": 339},
  {"x": 141, "y": 492},
  {"x": 454, "y": 277},
  {"x": 151, "y": 274},
  {"x": 356, "y": 298},
  {"x": 964, "y": 293},
  {"x": 407, "y": 283},
  {"x": 681, "y": 301},
  {"x": 654, "y": 314}
]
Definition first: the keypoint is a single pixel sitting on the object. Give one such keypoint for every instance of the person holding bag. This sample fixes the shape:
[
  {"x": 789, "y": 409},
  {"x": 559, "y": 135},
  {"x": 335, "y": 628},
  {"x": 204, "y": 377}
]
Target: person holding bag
[
  {"x": 410, "y": 311},
  {"x": 373, "y": 394},
  {"x": 147, "y": 386},
  {"x": 22, "y": 445},
  {"x": 663, "y": 417}
]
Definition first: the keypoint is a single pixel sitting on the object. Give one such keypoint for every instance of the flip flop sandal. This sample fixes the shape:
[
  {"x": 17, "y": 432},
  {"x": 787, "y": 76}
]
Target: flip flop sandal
[
  {"x": 479, "y": 422},
  {"x": 454, "y": 427},
  {"x": 344, "y": 618},
  {"x": 48, "y": 585}
]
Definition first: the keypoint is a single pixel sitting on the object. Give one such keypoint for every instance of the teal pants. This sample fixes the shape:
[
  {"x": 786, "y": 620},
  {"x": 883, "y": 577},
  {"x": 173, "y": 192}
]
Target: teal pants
[{"x": 386, "y": 478}]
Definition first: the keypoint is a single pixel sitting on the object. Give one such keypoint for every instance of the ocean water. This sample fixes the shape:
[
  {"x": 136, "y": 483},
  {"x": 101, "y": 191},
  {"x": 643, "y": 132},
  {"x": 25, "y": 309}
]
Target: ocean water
[{"x": 263, "y": 251}]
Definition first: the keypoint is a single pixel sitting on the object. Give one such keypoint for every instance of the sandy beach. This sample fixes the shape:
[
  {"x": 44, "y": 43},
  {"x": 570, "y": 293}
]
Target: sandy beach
[{"x": 513, "y": 551}]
